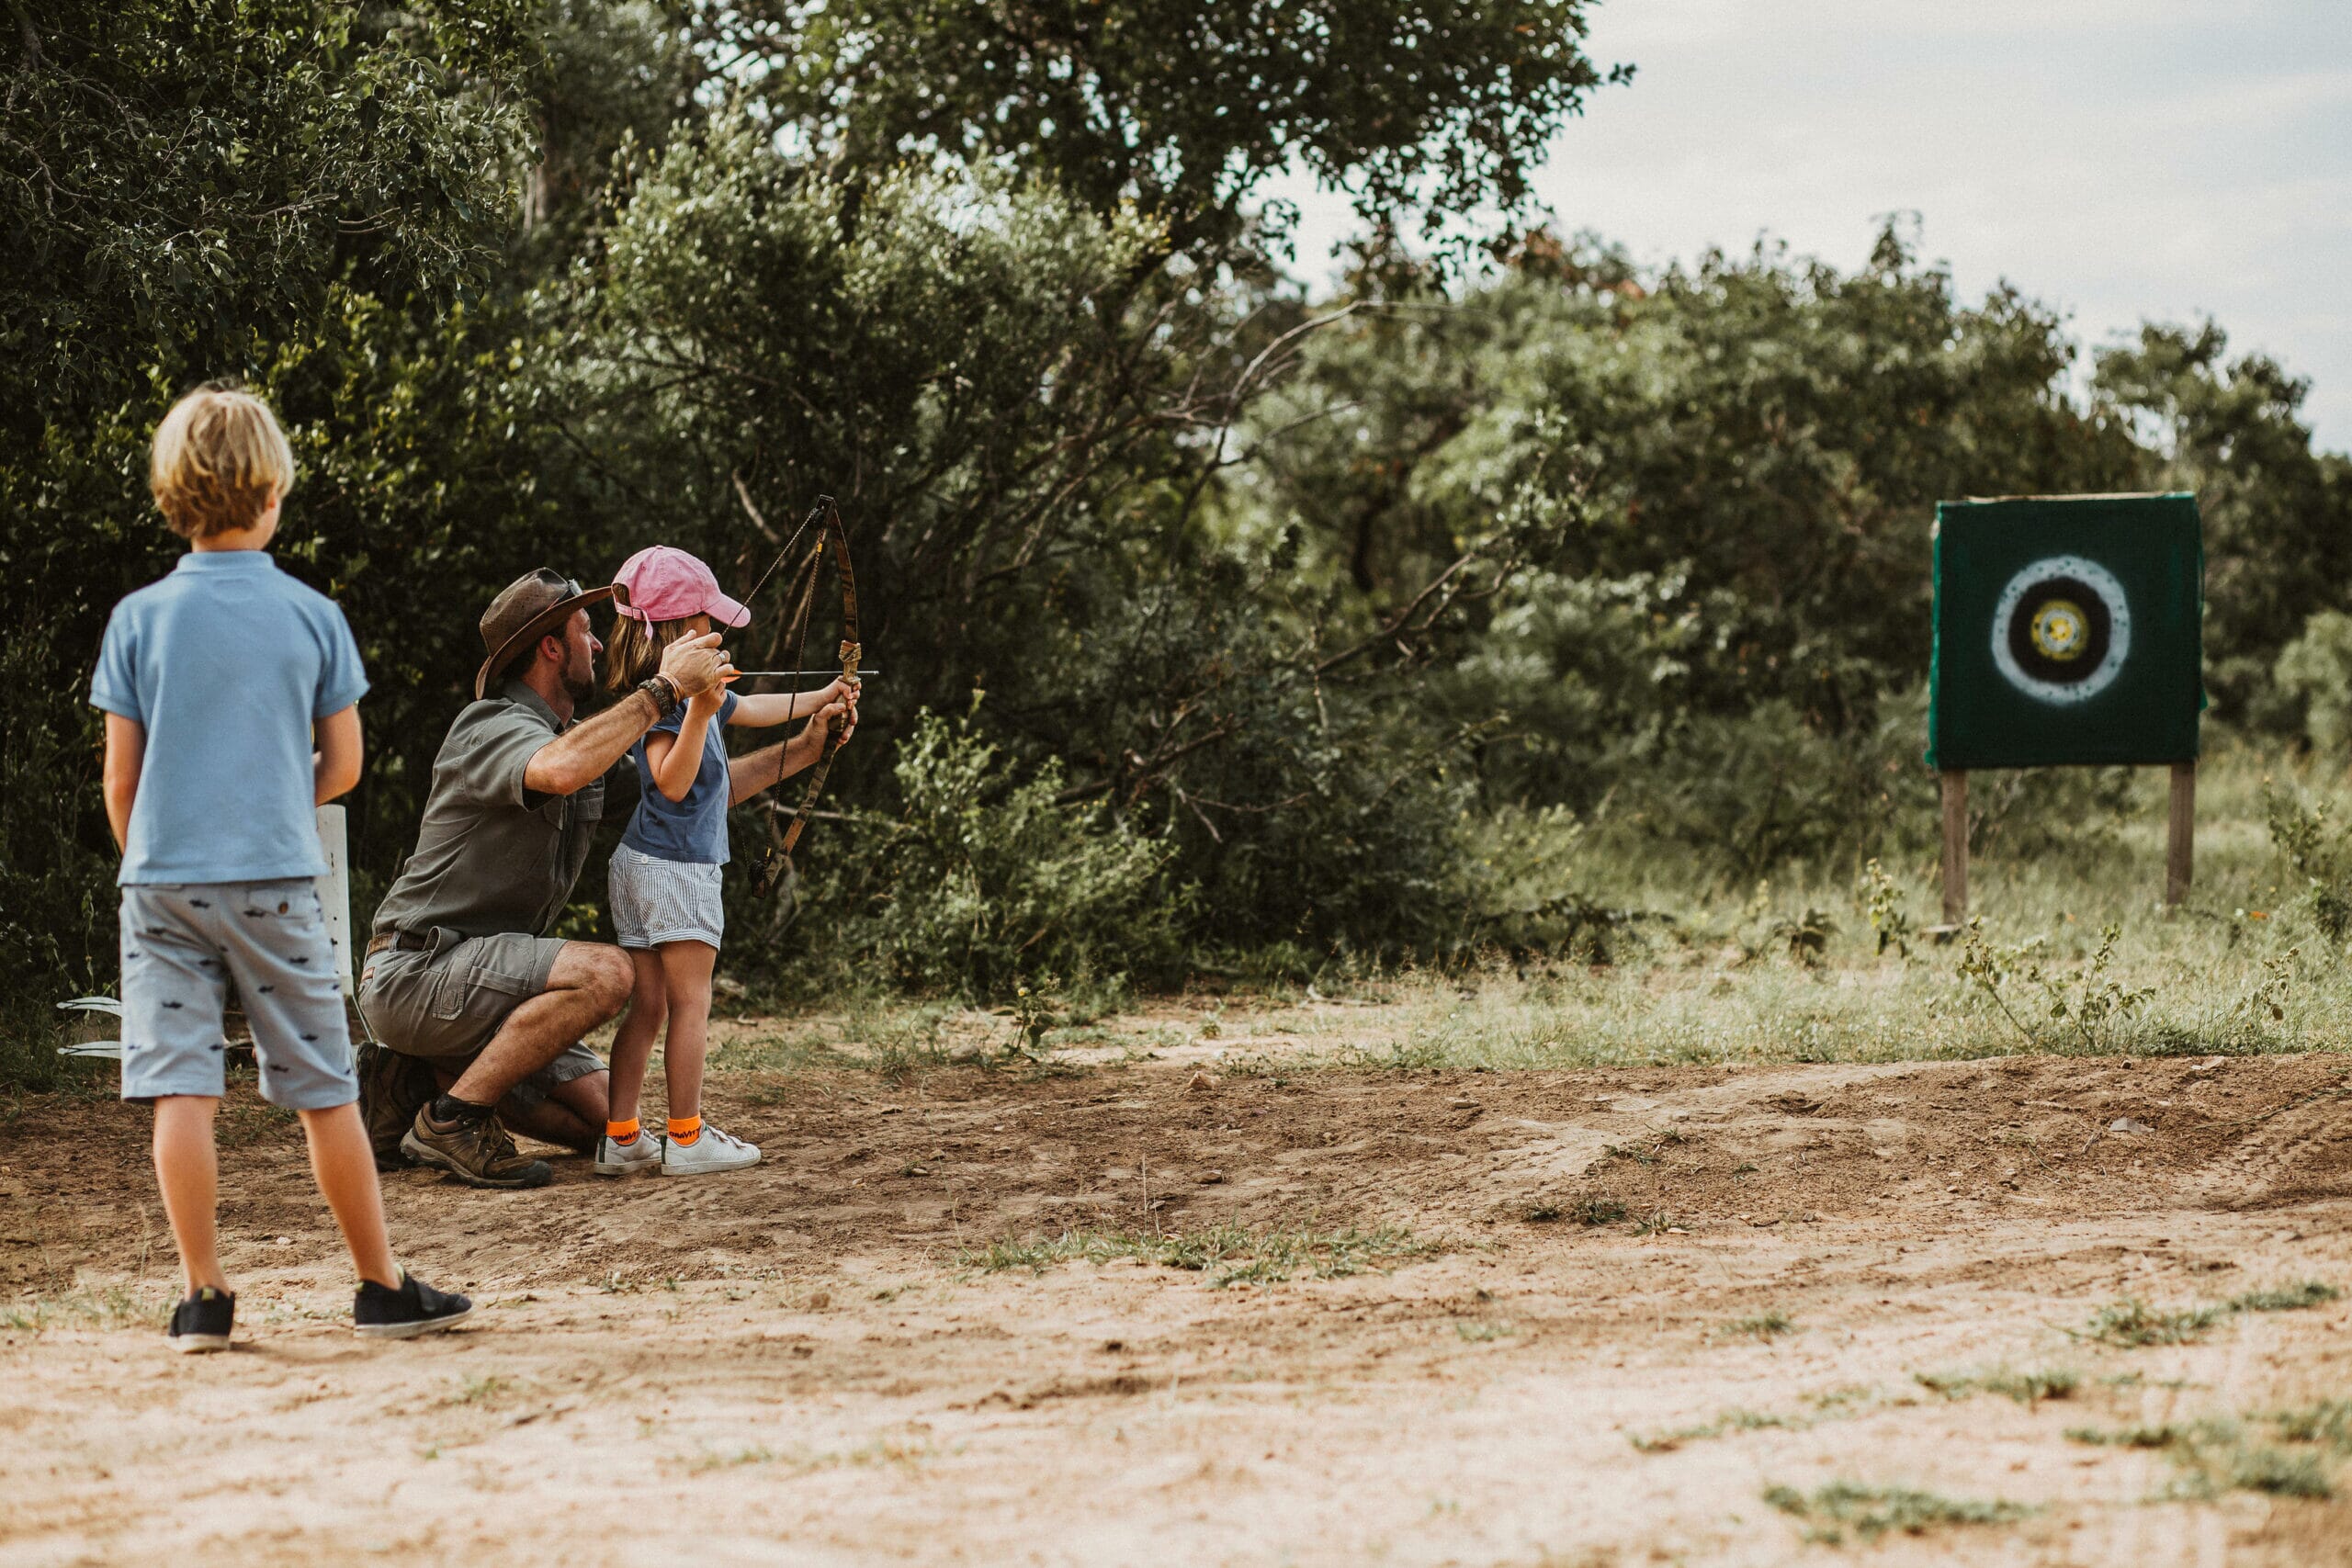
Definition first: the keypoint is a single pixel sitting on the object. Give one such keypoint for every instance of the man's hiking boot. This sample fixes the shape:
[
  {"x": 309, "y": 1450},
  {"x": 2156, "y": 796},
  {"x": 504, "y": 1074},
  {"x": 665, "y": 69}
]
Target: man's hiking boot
[
  {"x": 416, "y": 1308},
  {"x": 392, "y": 1088},
  {"x": 477, "y": 1150},
  {"x": 202, "y": 1322}
]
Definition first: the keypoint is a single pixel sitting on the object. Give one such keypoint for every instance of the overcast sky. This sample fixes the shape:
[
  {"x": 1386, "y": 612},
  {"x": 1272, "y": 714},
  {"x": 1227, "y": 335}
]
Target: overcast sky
[{"x": 2119, "y": 159}]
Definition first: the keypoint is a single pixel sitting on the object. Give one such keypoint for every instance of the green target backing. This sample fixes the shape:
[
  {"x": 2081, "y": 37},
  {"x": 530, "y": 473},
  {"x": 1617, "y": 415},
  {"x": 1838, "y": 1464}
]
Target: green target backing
[{"x": 2067, "y": 631}]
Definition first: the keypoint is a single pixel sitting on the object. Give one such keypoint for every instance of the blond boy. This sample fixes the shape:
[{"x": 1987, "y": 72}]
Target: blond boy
[{"x": 230, "y": 694}]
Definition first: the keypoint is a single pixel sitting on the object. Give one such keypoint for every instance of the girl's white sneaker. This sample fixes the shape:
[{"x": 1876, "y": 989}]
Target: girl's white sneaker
[
  {"x": 640, "y": 1154},
  {"x": 713, "y": 1152}
]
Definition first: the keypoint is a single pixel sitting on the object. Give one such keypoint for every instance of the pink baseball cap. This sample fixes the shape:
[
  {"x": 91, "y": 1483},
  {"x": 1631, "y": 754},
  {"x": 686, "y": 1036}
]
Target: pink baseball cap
[{"x": 669, "y": 585}]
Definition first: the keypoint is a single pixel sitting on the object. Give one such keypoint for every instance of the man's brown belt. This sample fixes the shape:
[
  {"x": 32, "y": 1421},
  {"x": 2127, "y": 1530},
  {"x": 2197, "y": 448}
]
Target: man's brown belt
[{"x": 407, "y": 941}]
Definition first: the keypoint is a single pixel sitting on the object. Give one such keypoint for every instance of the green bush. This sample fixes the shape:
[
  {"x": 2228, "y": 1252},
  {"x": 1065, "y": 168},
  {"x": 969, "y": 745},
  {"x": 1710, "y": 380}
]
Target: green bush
[
  {"x": 982, "y": 880},
  {"x": 2314, "y": 675}
]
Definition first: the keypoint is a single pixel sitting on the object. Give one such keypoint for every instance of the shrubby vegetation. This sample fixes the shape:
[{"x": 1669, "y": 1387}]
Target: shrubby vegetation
[{"x": 1349, "y": 630}]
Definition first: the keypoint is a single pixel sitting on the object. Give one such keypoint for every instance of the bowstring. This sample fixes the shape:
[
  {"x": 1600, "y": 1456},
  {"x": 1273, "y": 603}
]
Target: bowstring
[{"x": 803, "y": 602}]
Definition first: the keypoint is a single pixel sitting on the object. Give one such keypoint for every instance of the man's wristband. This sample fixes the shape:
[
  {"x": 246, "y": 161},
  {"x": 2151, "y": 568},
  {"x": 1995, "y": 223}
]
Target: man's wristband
[{"x": 664, "y": 693}]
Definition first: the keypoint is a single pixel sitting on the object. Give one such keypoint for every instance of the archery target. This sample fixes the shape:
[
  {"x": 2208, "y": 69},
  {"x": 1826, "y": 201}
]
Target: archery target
[{"x": 2061, "y": 630}]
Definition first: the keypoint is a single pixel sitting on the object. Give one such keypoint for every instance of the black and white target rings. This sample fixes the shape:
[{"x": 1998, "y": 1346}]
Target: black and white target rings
[{"x": 2061, "y": 630}]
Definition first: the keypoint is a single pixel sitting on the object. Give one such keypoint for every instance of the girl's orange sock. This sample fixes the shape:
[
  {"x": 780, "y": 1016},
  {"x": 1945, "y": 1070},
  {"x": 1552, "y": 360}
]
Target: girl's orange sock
[
  {"x": 622, "y": 1133},
  {"x": 685, "y": 1130}
]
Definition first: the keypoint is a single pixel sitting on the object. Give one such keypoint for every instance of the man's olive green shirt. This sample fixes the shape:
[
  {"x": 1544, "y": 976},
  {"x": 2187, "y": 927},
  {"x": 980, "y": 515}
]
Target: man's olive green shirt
[{"x": 492, "y": 856}]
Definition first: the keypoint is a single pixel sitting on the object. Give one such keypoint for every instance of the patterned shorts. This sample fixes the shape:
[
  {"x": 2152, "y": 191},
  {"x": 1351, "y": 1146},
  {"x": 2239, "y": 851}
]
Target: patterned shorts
[
  {"x": 182, "y": 947},
  {"x": 656, "y": 901}
]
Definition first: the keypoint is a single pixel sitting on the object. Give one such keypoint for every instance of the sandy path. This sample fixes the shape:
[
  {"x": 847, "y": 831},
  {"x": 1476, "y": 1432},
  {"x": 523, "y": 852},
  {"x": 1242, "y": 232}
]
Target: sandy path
[{"x": 795, "y": 1366}]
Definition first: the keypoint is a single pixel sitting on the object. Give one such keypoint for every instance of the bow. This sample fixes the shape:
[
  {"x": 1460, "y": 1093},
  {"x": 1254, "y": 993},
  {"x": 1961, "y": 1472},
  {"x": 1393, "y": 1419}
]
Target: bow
[{"x": 826, "y": 517}]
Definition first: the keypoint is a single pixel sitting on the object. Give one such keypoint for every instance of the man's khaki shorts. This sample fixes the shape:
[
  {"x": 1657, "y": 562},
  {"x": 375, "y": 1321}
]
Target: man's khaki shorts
[{"x": 443, "y": 1002}]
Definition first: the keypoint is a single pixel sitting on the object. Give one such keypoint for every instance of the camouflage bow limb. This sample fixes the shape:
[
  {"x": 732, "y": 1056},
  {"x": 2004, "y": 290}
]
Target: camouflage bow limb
[{"x": 777, "y": 867}]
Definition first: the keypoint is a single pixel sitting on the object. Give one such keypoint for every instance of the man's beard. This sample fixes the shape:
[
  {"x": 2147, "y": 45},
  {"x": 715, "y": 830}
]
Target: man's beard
[{"x": 581, "y": 683}]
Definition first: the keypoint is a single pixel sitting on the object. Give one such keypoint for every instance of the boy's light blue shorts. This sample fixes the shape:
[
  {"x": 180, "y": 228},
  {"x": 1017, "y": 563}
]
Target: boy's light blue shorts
[{"x": 181, "y": 945}]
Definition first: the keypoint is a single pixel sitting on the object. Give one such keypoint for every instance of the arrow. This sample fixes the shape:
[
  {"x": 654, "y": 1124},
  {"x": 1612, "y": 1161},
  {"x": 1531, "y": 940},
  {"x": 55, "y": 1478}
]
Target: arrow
[{"x": 827, "y": 674}]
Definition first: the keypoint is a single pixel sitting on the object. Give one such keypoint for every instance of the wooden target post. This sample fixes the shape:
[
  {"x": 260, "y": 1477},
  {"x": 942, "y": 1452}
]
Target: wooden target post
[
  {"x": 2068, "y": 632},
  {"x": 2180, "y": 839}
]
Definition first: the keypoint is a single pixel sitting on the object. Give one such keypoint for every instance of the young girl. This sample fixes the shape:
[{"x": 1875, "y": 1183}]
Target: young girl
[{"x": 665, "y": 875}]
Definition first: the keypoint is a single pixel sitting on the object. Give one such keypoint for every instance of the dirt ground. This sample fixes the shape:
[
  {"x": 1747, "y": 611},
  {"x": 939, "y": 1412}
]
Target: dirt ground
[{"x": 816, "y": 1361}]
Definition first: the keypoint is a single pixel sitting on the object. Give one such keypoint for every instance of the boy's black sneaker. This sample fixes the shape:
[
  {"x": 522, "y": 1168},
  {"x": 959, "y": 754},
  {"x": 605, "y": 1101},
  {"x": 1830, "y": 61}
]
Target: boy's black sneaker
[
  {"x": 416, "y": 1308},
  {"x": 202, "y": 1322}
]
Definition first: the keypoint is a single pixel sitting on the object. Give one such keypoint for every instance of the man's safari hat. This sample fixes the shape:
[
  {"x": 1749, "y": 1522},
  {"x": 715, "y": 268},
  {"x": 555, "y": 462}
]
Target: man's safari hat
[{"x": 527, "y": 609}]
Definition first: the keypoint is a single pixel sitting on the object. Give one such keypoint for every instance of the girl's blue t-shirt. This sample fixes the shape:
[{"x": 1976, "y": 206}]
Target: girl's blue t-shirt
[{"x": 692, "y": 829}]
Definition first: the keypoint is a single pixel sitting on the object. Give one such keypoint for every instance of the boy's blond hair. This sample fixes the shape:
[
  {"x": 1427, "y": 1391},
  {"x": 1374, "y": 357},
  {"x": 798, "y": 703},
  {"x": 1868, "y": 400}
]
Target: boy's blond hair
[{"x": 218, "y": 457}]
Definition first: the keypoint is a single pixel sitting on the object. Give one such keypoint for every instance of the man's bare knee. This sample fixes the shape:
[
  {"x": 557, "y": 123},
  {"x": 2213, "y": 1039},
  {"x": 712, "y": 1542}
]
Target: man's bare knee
[{"x": 601, "y": 975}]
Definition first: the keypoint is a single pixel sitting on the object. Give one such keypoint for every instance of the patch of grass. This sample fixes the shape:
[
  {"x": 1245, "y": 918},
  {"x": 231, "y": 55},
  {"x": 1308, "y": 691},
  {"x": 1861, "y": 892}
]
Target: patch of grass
[
  {"x": 2328, "y": 1422},
  {"x": 1729, "y": 1421},
  {"x": 1764, "y": 1325},
  {"x": 1872, "y": 1511},
  {"x": 2280, "y": 1474},
  {"x": 1835, "y": 1404},
  {"x": 1660, "y": 1223},
  {"x": 485, "y": 1389},
  {"x": 2286, "y": 1298},
  {"x": 2162, "y": 1437},
  {"x": 112, "y": 1306},
  {"x": 730, "y": 1461},
  {"x": 2028, "y": 1388},
  {"x": 1480, "y": 1333},
  {"x": 2216, "y": 1456},
  {"x": 2131, "y": 1324},
  {"x": 1227, "y": 1254},
  {"x": 1588, "y": 1211}
]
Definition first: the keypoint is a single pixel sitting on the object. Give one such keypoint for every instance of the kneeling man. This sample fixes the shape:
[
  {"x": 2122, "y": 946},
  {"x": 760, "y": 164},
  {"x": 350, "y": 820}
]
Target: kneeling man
[{"x": 462, "y": 988}]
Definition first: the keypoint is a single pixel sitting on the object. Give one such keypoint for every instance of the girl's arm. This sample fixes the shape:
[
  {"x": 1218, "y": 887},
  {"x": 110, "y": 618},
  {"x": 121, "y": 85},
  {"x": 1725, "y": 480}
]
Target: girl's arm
[
  {"x": 749, "y": 774},
  {"x": 676, "y": 759},
  {"x": 335, "y": 766},
  {"x": 126, "y": 753},
  {"x": 781, "y": 707}
]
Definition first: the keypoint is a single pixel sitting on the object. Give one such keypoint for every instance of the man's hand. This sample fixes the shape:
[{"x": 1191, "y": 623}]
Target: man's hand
[
  {"x": 697, "y": 664},
  {"x": 840, "y": 701},
  {"x": 755, "y": 770}
]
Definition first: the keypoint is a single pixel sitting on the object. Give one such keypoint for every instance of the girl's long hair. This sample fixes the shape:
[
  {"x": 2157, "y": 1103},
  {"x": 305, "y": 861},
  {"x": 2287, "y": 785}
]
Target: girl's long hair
[{"x": 636, "y": 650}]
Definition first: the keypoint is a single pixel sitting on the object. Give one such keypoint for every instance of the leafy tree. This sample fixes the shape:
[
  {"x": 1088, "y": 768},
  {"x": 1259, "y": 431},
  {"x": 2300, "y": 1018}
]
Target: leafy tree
[
  {"x": 1179, "y": 106},
  {"x": 188, "y": 191},
  {"x": 2277, "y": 515}
]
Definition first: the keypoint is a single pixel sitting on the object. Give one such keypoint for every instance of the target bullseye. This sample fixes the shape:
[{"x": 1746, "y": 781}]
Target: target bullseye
[{"x": 2062, "y": 629}]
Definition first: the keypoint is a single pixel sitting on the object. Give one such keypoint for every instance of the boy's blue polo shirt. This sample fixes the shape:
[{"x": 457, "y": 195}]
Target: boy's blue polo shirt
[
  {"x": 227, "y": 662},
  {"x": 692, "y": 829}
]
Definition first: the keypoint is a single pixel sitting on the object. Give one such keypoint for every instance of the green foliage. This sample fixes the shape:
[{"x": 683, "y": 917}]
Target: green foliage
[
  {"x": 1316, "y": 637},
  {"x": 1881, "y": 898},
  {"x": 1182, "y": 107},
  {"x": 2317, "y": 851},
  {"x": 2314, "y": 674},
  {"x": 2277, "y": 515},
  {"x": 2083, "y": 1009},
  {"x": 983, "y": 879}
]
